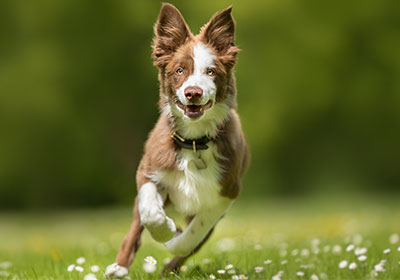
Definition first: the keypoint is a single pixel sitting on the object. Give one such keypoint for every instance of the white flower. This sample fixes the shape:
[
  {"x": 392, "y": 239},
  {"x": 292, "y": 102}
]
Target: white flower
[
  {"x": 71, "y": 267},
  {"x": 258, "y": 269},
  {"x": 350, "y": 248},
  {"x": 221, "y": 271},
  {"x": 362, "y": 258},
  {"x": 343, "y": 264},
  {"x": 386, "y": 251},
  {"x": 166, "y": 260},
  {"x": 314, "y": 277},
  {"x": 305, "y": 253},
  {"x": 352, "y": 266},
  {"x": 295, "y": 252},
  {"x": 229, "y": 266},
  {"x": 212, "y": 276},
  {"x": 269, "y": 261},
  {"x": 231, "y": 271},
  {"x": 337, "y": 249},
  {"x": 5, "y": 265},
  {"x": 327, "y": 248},
  {"x": 398, "y": 249},
  {"x": 300, "y": 273},
  {"x": 243, "y": 277},
  {"x": 150, "y": 260},
  {"x": 283, "y": 262},
  {"x": 79, "y": 268},
  {"x": 94, "y": 268},
  {"x": 235, "y": 277},
  {"x": 394, "y": 238},
  {"x": 379, "y": 267},
  {"x": 149, "y": 268},
  {"x": 80, "y": 260},
  {"x": 382, "y": 262},
  {"x": 205, "y": 261},
  {"x": 276, "y": 277},
  {"x": 360, "y": 251},
  {"x": 183, "y": 268},
  {"x": 283, "y": 253},
  {"x": 374, "y": 273},
  {"x": 90, "y": 276}
]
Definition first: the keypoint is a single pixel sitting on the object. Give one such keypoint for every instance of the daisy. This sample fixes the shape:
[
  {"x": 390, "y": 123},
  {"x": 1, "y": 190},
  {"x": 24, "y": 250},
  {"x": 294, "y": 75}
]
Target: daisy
[
  {"x": 269, "y": 261},
  {"x": 221, "y": 271},
  {"x": 79, "y": 268},
  {"x": 386, "y": 251},
  {"x": 362, "y": 258},
  {"x": 352, "y": 266},
  {"x": 314, "y": 277},
  {"x": 258, "y": 269},
  {"x": 94, "y": 268},
  {"x": 71, "y": 267},
  {"x": 350, "y": 248},
  {"x": 343, "y": 264},
  {"x": 150, "y": 260},
  {"x": 80, "y": 260},
  {"x": 300, "y": 273}
]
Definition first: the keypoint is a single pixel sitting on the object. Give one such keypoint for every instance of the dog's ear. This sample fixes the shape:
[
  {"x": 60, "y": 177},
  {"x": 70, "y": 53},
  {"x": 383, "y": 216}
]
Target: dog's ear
[
  {"x": 219, "y": 32},
  {"x": 171, "y": 31}
]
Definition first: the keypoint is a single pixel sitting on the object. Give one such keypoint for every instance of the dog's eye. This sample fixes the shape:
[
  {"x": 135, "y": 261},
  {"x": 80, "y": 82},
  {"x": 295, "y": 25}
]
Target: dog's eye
[
  {"x": 179, "y": 71},
  {"x": 210, "y": 72}
]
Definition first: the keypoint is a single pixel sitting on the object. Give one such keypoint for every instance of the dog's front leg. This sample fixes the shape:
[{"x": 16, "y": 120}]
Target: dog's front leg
[
  {"x": 152, "y": 215},
  {"x": 184, "y": 243}
]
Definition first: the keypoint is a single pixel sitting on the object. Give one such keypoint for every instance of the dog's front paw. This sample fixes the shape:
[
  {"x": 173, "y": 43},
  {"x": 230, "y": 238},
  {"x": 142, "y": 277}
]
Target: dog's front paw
[
  {"x": 164, "y": 231},
  {"x": 115, "y": 270},
  {"x": 161, "y": 227}
]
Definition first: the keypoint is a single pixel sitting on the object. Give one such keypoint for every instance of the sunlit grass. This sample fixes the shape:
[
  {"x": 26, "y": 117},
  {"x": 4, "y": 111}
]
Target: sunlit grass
[{"x": 313, "y": 239}]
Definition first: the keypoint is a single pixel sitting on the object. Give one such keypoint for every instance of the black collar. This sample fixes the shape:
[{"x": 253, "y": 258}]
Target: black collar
[{"x": 191, "y": 144}]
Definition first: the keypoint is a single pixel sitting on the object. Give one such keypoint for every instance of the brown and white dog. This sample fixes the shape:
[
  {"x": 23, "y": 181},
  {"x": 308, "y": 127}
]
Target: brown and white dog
[{"x": 196, "y": 154}]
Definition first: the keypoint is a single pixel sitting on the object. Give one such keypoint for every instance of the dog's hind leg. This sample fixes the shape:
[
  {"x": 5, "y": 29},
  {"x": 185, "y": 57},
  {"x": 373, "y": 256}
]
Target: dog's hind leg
[
  {"x": 177, "y": 262},
  {"x": 184, "y": 243},
  {"x": 129, "y": 247}
]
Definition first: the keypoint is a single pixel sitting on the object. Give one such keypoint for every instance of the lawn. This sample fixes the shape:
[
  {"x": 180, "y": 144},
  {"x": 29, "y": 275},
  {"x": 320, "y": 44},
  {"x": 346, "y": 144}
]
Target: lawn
[{"x": 271, "y": 239}]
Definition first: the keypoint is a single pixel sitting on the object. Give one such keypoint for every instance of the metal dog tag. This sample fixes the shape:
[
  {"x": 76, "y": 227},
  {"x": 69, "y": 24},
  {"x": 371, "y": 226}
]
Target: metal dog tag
[{"x": 200, "y": 163}]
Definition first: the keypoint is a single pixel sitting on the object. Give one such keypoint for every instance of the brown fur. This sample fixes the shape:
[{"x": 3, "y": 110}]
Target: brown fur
[{"x": 173, "y": 48}]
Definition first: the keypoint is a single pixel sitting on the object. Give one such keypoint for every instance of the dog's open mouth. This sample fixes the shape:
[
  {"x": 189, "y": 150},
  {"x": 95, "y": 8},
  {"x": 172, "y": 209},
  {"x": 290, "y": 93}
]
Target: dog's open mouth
[{"x": 194, "y": 111}]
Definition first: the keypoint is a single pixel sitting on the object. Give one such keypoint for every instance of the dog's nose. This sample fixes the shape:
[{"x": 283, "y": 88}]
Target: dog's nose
[{"x": 193, "y": 93}]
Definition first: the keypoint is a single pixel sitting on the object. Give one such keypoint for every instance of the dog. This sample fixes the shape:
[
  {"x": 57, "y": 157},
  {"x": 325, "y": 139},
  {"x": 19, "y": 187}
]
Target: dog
[{"x": 196, "y": 154}]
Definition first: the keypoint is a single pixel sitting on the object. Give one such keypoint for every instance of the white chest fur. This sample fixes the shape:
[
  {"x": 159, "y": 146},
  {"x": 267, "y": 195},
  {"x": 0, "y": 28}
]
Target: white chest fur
[{"x": 191, "y": 189}]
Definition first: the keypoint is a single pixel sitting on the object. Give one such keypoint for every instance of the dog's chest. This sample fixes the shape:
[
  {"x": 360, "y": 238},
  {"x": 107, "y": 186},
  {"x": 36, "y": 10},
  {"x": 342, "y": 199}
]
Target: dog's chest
[{"x": 194, "y": 185}]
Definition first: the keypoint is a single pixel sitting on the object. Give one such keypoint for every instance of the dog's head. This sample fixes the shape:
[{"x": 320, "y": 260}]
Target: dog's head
[{"x": 195, "y": 71}]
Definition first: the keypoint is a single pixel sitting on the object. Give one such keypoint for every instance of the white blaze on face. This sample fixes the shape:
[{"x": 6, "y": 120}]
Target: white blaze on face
[{"x": 203, "y": 59}]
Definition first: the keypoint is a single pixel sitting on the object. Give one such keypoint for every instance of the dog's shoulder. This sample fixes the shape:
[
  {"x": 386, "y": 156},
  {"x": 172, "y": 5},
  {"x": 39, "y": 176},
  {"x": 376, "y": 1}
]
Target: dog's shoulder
[{"x": 159, "y": 151}]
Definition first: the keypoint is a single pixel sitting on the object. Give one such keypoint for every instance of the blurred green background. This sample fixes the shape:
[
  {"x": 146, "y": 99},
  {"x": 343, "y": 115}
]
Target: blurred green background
[{"x": 318, "y": 91}]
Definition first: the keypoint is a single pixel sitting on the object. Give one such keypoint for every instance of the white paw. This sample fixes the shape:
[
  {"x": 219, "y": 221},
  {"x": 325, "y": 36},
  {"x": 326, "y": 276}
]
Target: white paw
[
  {"x": 115, "y": 270},
  {"x": 161, "y": 227},
  {"x": 152, "y": 215}
]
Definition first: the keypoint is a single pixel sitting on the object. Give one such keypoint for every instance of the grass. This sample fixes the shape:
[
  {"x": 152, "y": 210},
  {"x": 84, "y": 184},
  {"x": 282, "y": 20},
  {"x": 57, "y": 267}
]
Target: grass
[{"x": 294, "y": 235}]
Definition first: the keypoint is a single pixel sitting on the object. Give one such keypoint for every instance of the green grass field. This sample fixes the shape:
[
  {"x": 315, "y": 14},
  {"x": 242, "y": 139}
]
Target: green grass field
[{"x": 260, "y": 239}]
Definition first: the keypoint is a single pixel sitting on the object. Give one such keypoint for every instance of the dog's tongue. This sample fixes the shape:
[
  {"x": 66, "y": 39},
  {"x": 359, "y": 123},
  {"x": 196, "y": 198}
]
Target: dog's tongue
[{"x": 193, "y": 111}]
